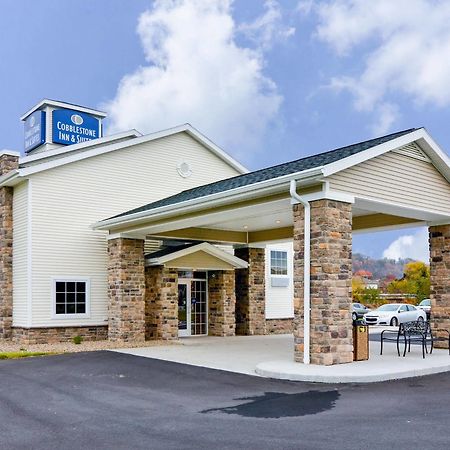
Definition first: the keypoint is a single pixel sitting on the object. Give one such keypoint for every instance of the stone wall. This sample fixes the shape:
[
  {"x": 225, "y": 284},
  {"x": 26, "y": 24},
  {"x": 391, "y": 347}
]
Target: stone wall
[
  {"x": 7, "y": 163},
  {"x": 222, "y": 303},
  {"x": 331, "y": 274},
  {"x": 29, "y": 336},
  {"x": 279, "y": 326},
  {"x": 126, "y": 280},
  {"x": 250, "y": 292},
  {"x": 161, "y": 303},
  {"x": 439, "y": 240}
]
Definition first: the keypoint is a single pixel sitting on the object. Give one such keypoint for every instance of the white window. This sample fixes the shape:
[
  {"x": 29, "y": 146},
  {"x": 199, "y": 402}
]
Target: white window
[
  {"x": 71, "y": 297},
  {"x": 278, "y": 262}
]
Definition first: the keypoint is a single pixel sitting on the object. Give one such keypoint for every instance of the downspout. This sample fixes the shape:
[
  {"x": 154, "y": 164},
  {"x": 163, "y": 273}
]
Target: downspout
[{"x": 306, "y": 271}]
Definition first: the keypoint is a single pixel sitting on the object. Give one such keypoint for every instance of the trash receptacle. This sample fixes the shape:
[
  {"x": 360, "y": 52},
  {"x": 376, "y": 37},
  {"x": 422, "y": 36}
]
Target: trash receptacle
[{"x": 360, "y": 341}]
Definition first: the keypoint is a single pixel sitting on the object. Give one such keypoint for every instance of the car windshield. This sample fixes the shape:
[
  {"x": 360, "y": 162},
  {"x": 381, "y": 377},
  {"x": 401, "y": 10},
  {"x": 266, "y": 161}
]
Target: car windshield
[
  {"x": 388, "y": 308},
  {"x": 425, "y": 302}
]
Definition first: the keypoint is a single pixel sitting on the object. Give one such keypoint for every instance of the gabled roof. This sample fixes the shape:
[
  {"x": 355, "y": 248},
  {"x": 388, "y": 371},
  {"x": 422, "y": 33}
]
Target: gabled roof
[
  {"x": 273, "y": 172},
  {"x": 67, "y": 156},
  {"x": 164, "y": 256}
]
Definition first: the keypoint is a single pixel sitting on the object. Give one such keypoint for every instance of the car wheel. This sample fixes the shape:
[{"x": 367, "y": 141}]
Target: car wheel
[
  {"x": 354, "y": 316},
  {"x": 420, "y": 319},
  {"x": 394, "y": 322}
]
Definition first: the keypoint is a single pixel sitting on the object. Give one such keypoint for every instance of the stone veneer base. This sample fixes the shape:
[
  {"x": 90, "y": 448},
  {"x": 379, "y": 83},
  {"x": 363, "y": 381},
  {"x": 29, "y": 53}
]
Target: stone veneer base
[
  {"x": 279, "y": 326},
  {"x": 58, "y": 334}
]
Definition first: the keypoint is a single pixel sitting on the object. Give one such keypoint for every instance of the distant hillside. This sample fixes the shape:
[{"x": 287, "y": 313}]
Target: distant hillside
[{"x": 380, "y": 268}]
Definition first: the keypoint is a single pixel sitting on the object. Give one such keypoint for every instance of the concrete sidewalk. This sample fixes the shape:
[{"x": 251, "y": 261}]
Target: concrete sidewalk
[{"x": 271, "y": 356}]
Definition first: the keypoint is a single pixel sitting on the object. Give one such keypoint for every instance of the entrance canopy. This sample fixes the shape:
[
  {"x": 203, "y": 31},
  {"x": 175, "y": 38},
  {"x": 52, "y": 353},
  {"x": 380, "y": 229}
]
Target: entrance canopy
[
  {"x": 398, "y": 180},
  {"x": 202, "y": 256}
]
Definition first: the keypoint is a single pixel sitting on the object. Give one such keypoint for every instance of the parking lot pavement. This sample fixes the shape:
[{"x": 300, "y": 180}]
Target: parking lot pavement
[{"x": 107, "y": 400}]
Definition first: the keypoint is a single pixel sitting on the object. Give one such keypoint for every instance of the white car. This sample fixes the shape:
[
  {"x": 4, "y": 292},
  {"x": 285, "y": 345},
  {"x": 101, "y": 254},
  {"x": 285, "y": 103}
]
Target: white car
[
  {"x": 393, "y": 314},
  {"x": 425, "y": 305}
]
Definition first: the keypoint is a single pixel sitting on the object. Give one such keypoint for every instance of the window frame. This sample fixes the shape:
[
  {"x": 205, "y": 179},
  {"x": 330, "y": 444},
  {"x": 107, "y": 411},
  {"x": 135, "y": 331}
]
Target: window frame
[
  {"x": 279, "y": 275},
  {"x": 71, "y": 279}
]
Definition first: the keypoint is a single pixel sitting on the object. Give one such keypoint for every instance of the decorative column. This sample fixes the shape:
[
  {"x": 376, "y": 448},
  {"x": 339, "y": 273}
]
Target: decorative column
[
  {"x": 8, "y": 161},
  {"x": 161, "y": 303},
  {"x": 439, "y": 240},
  {"x": 251, "y": 292},
  {"x": 126, "y": 278},
  {"x": 222, "y": 303},
  {"x": 331, "y": 278}
]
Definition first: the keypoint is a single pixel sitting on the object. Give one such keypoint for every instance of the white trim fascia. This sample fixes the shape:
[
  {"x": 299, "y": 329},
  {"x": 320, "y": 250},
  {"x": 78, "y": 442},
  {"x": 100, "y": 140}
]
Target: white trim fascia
[
  {"x": 9, "y": 177},
  {"x": 129, "y": 143},
  {"x": 209, "y": 201},
  {"x": 326, "y": 194},
  {"x": 57, "y": 104},
  {"x": 81, "y": 146},
  {"x": 433, "y": 151},
  {"x": 238, "y": 263},
  {"x": 112, "y": 236},
  {"x": 29, "y": 254},
  {"x": 418, "y": 211},
  {"x": 198, "y": 136},
  {"x": 7, "y": 152}
]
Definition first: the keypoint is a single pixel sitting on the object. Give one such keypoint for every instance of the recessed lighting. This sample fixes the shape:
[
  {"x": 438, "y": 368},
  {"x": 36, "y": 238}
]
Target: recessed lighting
[
  {"x": 277, "y": 221},
  {"x": 245, "y": 227}
]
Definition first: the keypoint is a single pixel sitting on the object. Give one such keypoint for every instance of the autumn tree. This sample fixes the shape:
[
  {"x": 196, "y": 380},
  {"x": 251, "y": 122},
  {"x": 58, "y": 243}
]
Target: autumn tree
[{"x": 415, "y": 280}]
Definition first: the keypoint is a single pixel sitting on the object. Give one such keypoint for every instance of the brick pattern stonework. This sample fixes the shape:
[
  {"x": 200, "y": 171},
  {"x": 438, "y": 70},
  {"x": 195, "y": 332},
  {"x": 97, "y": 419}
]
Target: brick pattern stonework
[
  {"x": 31, "y": 336},
  {"x": 439, "y": 240},
  {"x": 7, "y": 163},
  {"x": 279, "y": 326},
  {"x": 126, "y": 280},
  {"x": 222, "y": 303},
  {"x": 331, "y": 273},
  {"x": 161, "y": 303},
  {"x": 251, "y": 292}
]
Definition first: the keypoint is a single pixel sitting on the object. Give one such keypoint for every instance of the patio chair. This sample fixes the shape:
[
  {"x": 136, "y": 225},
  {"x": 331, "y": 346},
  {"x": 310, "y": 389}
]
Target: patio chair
[
  {"x": 416, "y": 331},
  {"x": 392, "y": 336}
]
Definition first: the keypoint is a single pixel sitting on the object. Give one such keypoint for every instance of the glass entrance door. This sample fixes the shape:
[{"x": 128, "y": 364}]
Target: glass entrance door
[
  {"x": 183, "y": 328},
  {"x": 192, "y": 307}
]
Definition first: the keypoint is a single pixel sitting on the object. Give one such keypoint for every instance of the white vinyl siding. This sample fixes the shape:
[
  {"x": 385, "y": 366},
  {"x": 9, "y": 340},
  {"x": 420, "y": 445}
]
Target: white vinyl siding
[
  {"x": 67, "y": 200},
  {"x": 20, "y": 240},
  {"x": 280, "y": 299},
  {"x": 396, "y": 178}
]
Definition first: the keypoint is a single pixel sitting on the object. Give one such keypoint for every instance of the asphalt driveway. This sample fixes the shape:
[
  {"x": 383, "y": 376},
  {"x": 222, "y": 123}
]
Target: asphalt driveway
[{"x": 107, "y": 400}]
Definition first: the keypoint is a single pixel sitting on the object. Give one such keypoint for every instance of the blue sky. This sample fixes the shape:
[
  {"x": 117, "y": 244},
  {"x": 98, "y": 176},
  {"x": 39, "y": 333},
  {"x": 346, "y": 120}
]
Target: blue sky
[{"x": 269, "y": 81}]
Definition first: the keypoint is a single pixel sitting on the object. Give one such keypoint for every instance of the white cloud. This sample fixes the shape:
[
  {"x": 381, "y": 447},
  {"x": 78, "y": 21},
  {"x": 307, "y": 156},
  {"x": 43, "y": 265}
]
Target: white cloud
[
  {"x": 268, "y": 28},
  {"x": 196, "y": 72},
  {"x": 405, "y": 46},
  {"x": 414, "y": 246}
]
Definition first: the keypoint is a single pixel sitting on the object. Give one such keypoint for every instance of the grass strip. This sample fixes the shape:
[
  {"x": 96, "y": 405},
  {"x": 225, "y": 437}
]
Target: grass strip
[{"x": 23, "y": 354}]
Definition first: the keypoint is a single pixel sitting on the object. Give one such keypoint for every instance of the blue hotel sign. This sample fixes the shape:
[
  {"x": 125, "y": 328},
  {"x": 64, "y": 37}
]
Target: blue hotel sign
[
  {"x": 72, "y": 127},
  {"x": 34, "y": 130}
]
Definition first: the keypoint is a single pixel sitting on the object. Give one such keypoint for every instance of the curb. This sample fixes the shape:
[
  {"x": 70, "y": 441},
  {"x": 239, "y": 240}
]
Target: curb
[{"x": 268, "y": 370}]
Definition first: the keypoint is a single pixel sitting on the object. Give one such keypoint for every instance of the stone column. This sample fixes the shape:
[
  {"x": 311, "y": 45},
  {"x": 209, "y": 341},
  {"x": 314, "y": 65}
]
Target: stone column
[
  {"x": 161, "y": 303},
  {"x": 251, "y": 292},
  {"x": 222, "y": 303},
  {"x": 126, "y": 279},
  {"x": 8, "y": 162},
  {"x": 331, "y": 277},
  {"x": 439, "y": 241}
]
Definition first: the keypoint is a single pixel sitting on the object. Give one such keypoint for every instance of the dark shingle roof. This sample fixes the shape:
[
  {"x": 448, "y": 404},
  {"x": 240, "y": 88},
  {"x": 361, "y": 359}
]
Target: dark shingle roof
[
  {"x": 268, "y": 173},
  {"x": 169, "y": 250}
]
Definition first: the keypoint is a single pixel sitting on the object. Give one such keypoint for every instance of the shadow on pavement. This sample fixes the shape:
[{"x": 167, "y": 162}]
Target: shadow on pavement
[{"x": 275, "y": 405}]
